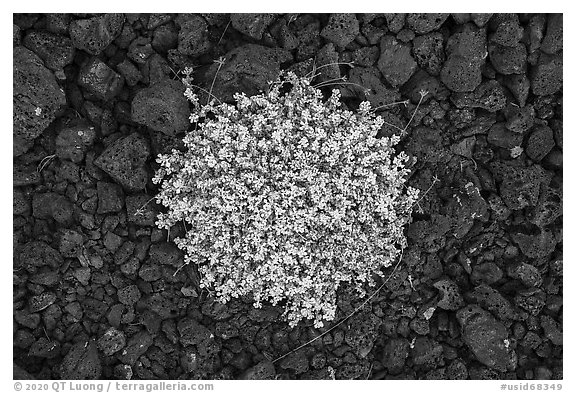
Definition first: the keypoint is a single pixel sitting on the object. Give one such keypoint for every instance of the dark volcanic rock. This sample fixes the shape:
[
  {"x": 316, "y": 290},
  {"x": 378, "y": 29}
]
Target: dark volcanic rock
[
  {"x": 58, "y": 23},
  {"x": 396, "y": 62},
  {"x": 370, "y": 79},
  {"x": 466, "y": 55},
  {"x": 93, "y": 35},
  {"x": 140, "y": 209},
  {"x": 492, "y": 300},
  {"x": 73, "y": 142},
  {"x": 425, "y": 23},
  {"x": 130, "y": 72},
  {"x": 487, "y": 338},
  {"x": 137, "y": 345},
  {"x": 501, "y": 137},
  {"x": 297, "y": 362},
  {"x": 193, "y": 35},
  {"x": 426, "y": 352},
  {"x": 520, "y": 187},
  {"x": 112, "y": 341},
  {"x": 100, "y": 80},
  {"x": 362, "y": 333},
  {"x": 395, "y": 354},
  {"x": 52, "y": 205},
  {"x": 526, "y": 273},
  {"x": 519, "y": 120},
  {"x": 81, "y": 362},
  {"x": 110, "y": 197},
  {"x": 538, "y": 245},
  {"x": 519, "y": 86},
  {"x": 56, "y": 50},
  {"x": 162, "y": 107},
  {"x": 129, "y": 295},
  {"x": 246, "y": 69},
  {"x": 125, "y": 160},
  {"x": 41, "y": 302},
  {"x": 192, "y": 332},
  {"x": 553, "y": 41},
  {"x": 507, "y": 29},
  {"x": 253, "y": 25},
  {"x": 341, "y": 29},
  {"x": 546, "y": 76},
  {"x": 451, "y": 297},
  {"x": 489, "y": 96},
  {"x": 549, "y": 206},
  {"x": 540, "y": 142},
  {"x": 37, "y": 98},
  {"x": 36, "y": 254},
  {"x": 45, "y": 348},
  {"x": 70, "y": 243},
  {"x": 429, "y": 52},
  {"x": 508, "y": 60},
  {"x": 263, "y": 370}
]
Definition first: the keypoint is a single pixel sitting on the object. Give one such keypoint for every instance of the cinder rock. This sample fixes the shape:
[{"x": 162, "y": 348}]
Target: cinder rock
[
  {"x": 252, "y": 25},
  {"x": 141, "y": 210},
  {"x": 93, "y": 35},
  {"x": 508, "y": 60},
  {"x": 37, "y": 98},
  {"x": 396, "y": 62},
  {"x": 395, "y": 354},
  {"x": 73, "y": 142},
  {"x": 429, "y": 52},
  {"x": 162, "y": 107},
  {"x": 247, "y": 69},
  {"x": 553, "y": 41},
  {"x": 519, "y": 186},
  {"x": 263, "y": 370},
  {"x": 56, "y": 50},
  {"x": 100, "y": 80},
  {"x": 466, "y": 54},
  {"x": 341, "y": 29},
  {"x": 451, "y": 297},
  {"x": 540, "y": 142},
  {"x": 547, "y": 76},
  {"x": 110, "y": 197},
  {"x": 487, "y": 338},
  {"x": 124, "y": 161},
  {"x": 425, "y": 23},
  {"x": 488, "y": 95},
  {"x": 193, "y": 35},
  {"x": 112, "y": 341},
  {"x": 54, "y": 206}
]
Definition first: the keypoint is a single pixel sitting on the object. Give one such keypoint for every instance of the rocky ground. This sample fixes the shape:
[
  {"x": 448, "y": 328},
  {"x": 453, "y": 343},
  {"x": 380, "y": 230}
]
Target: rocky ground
[{"x": 478, "y": 293}]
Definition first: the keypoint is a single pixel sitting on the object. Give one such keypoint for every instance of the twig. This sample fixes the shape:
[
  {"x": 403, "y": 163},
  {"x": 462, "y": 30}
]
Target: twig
[
  {"x": 423, "y": 94},
  {"x": 405, "y": 102},
  {"x": 224, "y": 32},
  {"x": 349, "y": 64},
  {"x": 44, "y": 163},
  {"x": 220, "y": 63}
]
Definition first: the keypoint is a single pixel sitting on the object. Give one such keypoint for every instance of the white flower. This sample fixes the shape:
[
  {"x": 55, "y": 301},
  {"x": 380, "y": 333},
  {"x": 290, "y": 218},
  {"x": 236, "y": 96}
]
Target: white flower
[{"x": 285, "y": 198}]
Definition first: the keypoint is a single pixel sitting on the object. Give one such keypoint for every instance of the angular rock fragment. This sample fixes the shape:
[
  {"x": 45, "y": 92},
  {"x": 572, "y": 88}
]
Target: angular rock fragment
[
  {"x": 125, "y": 160},
  {"x": 37, "y": 98}
]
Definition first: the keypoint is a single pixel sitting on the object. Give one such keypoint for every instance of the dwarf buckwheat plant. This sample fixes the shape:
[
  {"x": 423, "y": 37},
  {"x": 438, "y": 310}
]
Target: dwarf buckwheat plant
[{"x": 286, "y": 197}]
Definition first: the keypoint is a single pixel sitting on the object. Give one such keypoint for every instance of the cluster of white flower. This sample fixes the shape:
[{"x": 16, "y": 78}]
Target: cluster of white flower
[{"x": 285, "y": 197}]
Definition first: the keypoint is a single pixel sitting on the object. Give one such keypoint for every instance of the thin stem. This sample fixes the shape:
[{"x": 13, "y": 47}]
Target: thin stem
[
  {"x": 206, "y": 91},
  {"x": 220, "y": 62},
  {"x": 423, "y": 94},
  {"x": 224, "y": 32},
  {"x": 350, "y": 64},
  {"x": 349, "y": 315},
  {"x": 405, "y": 102}
]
